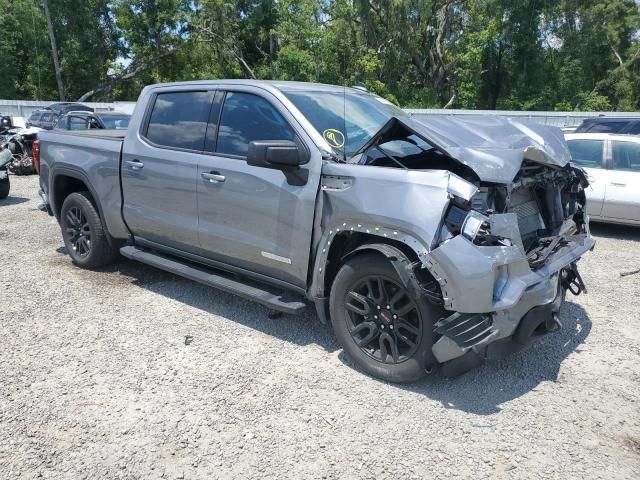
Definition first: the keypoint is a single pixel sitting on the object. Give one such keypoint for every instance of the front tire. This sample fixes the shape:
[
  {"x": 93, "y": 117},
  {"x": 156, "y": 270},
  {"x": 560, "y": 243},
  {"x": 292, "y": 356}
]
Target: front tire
[
  {"x": 381, "y": 325},
  {"x": 5, "y": 186},
  {"x": 84, "y": 236}
]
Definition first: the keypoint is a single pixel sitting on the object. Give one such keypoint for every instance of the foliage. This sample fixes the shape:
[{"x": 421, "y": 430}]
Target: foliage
[{"x": 507, "y": 54}]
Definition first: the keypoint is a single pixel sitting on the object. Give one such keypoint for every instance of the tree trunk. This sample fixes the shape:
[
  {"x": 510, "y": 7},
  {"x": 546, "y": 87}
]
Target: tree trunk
[{"x": 54, "y": 50}]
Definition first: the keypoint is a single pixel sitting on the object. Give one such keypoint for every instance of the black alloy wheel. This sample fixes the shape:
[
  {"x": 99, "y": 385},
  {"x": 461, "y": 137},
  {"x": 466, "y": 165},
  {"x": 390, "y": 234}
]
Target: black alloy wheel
[
  {"x": 85, "y": 237},
  {"x": 383, "y": 320},
  {"x": 78, "y": 231},
  {"x": 384, "y": 325}
]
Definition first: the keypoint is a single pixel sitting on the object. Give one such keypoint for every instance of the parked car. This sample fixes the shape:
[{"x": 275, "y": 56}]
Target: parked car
[
  {"x": 620, "y": 125},
  {"x": 44, "y": 119},
  {"x": 437, "y": 243},
  {"x": 48, "y": 117},
  {"x": 88, "y": 120},
  {"x": 612, "y": 163}
]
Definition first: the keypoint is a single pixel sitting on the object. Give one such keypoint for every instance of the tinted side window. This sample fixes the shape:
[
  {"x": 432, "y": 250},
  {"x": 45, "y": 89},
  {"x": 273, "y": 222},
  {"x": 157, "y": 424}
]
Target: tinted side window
[
  {"x": 626, "y": 156},
  {"x": 586, "y": 153},
  {"x": 246, "y": 117},
  {"x": 179, "y": 119},
  {"x": 607, "y": 127}
]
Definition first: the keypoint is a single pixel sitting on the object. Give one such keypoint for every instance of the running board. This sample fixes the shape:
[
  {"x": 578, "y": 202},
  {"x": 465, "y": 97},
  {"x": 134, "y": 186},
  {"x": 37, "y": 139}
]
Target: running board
[{"x": 262, "y": 294}]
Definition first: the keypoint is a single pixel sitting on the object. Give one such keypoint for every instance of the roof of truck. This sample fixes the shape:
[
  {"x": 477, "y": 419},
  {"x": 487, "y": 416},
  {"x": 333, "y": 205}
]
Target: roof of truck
[{"x": 279, "y": 84}]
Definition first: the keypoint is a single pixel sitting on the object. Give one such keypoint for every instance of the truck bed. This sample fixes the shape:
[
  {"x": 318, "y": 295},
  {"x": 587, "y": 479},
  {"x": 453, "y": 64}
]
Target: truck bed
[{"x": 93, "y": 157}]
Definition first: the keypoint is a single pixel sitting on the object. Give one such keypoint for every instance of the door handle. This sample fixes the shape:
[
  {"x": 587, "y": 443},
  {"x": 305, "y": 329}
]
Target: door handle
[
  {"x": 213, "y": 177},
  {"x": 135, "y": 164},
  {"x": 618, "y": 184}
]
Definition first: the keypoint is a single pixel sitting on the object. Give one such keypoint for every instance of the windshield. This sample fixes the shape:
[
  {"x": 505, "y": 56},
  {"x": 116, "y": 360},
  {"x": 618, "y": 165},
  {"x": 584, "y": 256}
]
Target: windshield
[
  {"x": 346, "y": 120},
  {"x": 115, "y": 122}
]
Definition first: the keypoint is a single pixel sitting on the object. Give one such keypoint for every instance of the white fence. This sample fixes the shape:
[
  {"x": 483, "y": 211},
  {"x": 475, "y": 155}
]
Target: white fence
[
  {"x": 558, "y": 119},
  {"x": 24, "y": 108}
]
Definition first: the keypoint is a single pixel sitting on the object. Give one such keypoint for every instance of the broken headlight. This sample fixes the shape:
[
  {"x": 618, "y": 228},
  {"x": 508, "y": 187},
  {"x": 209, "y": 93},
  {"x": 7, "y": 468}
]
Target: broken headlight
[{"x": 475, "y": 224}]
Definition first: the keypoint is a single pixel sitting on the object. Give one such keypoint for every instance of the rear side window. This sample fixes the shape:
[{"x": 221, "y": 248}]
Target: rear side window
[
  {"x": 179, "y": 119},
  {"x": 245, "y": 118},
  {"x": 586, "y": 153},
  {"x": 626, "y": 156}
]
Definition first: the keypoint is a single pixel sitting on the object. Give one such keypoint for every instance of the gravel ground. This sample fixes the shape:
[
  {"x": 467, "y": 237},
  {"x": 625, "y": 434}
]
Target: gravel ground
[{"x": 99, "y": 380}]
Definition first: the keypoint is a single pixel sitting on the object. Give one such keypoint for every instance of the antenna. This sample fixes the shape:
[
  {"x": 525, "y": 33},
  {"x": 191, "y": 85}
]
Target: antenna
[{"x": 344, "y": 122}]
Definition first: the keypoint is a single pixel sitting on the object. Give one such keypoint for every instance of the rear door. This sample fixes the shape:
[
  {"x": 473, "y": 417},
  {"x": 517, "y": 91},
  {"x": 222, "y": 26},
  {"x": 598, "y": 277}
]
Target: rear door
[
  {"x": 160, "y": 167},
  {"x": 252, "y": 217},
  {"x": 589, "y": 154},
  {"x": 622, "y": 200}
]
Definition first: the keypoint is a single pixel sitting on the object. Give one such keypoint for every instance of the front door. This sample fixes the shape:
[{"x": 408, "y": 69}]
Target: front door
[
  {"x": 160, "y": 168},
  {"x": 252, "y": 217}
]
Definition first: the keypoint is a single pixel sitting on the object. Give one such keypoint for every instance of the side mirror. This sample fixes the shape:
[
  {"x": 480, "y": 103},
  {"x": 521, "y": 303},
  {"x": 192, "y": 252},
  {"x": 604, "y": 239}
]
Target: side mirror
[{"x": 277, "y": 154}]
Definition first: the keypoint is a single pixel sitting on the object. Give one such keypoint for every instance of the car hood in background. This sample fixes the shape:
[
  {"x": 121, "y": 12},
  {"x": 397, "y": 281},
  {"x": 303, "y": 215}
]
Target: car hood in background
[{"x": 493, "y": 147}]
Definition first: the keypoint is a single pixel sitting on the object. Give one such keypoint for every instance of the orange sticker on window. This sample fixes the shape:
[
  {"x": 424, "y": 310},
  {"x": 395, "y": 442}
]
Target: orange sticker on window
[{"x": 334, "y": 137}]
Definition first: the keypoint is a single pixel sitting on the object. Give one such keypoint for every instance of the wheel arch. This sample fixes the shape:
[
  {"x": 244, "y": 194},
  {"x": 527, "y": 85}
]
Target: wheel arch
[
  {"x": 67, "y": 181},
  {"x": 340, "y": 245}
]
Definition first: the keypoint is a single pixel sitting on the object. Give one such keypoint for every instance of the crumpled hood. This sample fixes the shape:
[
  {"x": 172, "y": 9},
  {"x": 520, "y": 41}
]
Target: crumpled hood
[{"x": 493, "y": 147}]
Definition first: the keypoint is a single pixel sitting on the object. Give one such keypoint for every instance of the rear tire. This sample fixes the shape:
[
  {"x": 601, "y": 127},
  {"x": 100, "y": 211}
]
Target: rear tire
[
  {"x": 381, "y": 325},
  {"x": 84, "y": 235},
  {"x": 5, "y": 186}
]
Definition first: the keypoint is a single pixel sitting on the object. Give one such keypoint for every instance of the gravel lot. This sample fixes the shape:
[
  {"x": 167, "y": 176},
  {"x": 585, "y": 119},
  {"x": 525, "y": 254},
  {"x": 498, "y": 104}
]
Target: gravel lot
[{"x": 97, "y": 381}]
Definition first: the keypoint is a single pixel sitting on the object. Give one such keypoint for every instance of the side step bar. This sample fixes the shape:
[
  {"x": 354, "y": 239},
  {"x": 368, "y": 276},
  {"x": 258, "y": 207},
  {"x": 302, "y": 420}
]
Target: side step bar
[{"x": 254, "y": 291}]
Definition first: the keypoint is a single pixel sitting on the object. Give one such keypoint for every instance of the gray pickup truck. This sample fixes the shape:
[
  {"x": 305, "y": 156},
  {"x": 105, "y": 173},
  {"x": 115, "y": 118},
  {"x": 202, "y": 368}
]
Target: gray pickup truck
[{"x": 441, "y": 242}]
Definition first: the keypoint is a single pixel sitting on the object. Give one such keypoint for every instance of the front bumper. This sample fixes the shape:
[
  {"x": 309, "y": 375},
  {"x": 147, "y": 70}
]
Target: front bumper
[{"x": 491, "y": 291}]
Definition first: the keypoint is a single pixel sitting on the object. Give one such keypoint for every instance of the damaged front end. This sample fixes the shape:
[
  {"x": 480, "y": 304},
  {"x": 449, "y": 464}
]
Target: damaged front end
[
  {"x": 505, "y": 259},
  {"x": 506, "y": 250}
]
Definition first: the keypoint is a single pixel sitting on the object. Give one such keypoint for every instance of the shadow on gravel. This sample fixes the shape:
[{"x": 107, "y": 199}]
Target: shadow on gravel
[
  {"x": 480, "y": 391},
  {"x": 618, "y": 232},
  {"x": 483, "y": 390},
  {"x": 304, "y": 329},
  {"x": 13, "y": 200}
]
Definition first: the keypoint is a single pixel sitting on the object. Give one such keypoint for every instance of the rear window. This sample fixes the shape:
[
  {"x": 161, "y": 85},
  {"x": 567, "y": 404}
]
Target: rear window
[
  {"x": 179, "y": 119},
  {"x": 634, "y": 129},
  {"x": 586, "y": 153},
  {"x": 607, "y": 127},
  {"x": 626, "y": 156}
]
